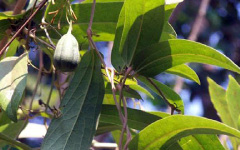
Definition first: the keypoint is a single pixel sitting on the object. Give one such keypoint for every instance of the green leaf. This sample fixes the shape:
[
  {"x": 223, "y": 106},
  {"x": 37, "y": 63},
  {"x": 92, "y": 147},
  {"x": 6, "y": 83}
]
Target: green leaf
[
  {"x": 104, "y": 23},
  {"x": 106, "y": 127},
  {"x": 164, "y": 55},
  {"x": 116, "y": 58},
  {"x": 102, "y": 1},
  {"x": 14, "y": 143},
  {"x": 233, "y": 95},
  {"x": 108, "y": 99},
  {"x": 9, "y": 128},
  {"x": 8, "y": 15},
  {"x": 141, "y": 90},
  {"x": 121, "y": 35},
  {"x": 12, "y": 85},
  {"x": 127, "y": 92},
  {"x": 199, "y": 142},
  {"x": 6, "y": 19},
  {"x": 219, "y": 99},
  {"x": 11, "y": 51},
  {"x": 170, "y": 129},
  {"x": 137, "y": 119},
  {"x": 168, "y": 33},
  {"x": 130, "y": 90},
  {"x": 116, "y": 136},
  {"x": 140, "y": 24},
  {"x": 172, "y": 97},
  {"x": 185, "y": 72},
  {"x": 81, "y": 107},
  {"x": 238, "y": 123}
]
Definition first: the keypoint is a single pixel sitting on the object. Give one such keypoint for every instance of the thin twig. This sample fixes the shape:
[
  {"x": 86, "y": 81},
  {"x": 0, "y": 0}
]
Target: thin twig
[
  {"x": 29, "y": 110},
  {"x": 44, "y": 70},
  {"x": 111, "y": 79},
  {"x": 25, "y": 31},
  {"x": 89, "y": 34},
  {"x": 46, "y": 32},
  {"x": 164, "y": 97},
  {"x": 39, "y": 76},
  {"x": 29, "y": 24},
  {"x": 49, "y": 97},
  {"x": 121, "y": 98},
  {"x": 124, "y": 128},
  {"x": 25, "y": 23}
]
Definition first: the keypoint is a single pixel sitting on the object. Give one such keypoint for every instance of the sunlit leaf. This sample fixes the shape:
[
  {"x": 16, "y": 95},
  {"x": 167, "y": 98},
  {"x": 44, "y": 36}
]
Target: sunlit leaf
[
  {"x": 141, "y": 90},
  {"x": 102, "y": 1},
  {"x": 11, "y": 51},
  {"x": 137, "y": 119},
  {"x": 127, "y": 92},
  {"x": 185, "y": 72},
  {"x": 140, "y": 24},
  {"x": 198, "y": 142},
  {"x": 233, "y": 95},
  {"x": 164, "y": 55},
  {"x": 168, "y": 33},
  {"x": 8, "y": 15},
  {"x": 170, "y": 129},
  {"x": 12, "y": 84},
  {"x": 219, "y": 99}
]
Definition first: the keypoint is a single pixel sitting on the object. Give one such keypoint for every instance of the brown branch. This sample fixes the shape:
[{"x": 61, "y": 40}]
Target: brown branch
[
  {"x": 121, "y": 98},
  {"x": 198, "y": 22},
  {"x": 17, "y": 10},
  {"x": 21, "y": 28},
  {"x": 89, "y": 34},
  {"x": 19, "y": 6},
  {"x": 164, "y": 97}
]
